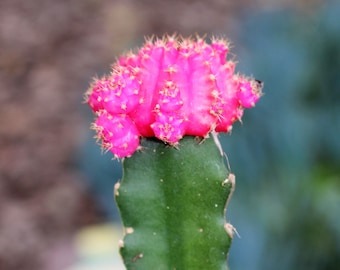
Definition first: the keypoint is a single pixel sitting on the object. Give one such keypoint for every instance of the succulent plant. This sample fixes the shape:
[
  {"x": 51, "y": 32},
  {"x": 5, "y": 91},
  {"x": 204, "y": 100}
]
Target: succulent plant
[{"x": 160, "y": 109}]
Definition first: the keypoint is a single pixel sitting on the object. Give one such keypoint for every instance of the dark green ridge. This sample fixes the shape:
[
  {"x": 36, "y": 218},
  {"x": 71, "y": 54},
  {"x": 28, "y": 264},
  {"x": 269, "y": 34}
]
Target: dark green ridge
[{"x": 172, "y": 204}]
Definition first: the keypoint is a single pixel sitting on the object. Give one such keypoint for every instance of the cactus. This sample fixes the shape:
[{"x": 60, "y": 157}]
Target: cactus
[
  {"x": 172, "y": 204},
  {"x": 157, "y": 110}
]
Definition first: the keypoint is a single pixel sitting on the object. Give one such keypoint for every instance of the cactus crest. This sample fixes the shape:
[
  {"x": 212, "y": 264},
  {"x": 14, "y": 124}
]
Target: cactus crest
[{"x": 169, "y": 88}]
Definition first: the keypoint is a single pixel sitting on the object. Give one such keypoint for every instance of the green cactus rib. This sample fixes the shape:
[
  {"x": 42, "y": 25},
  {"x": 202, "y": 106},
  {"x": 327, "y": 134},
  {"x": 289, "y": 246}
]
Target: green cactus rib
[{"x": 172, "y": 203}]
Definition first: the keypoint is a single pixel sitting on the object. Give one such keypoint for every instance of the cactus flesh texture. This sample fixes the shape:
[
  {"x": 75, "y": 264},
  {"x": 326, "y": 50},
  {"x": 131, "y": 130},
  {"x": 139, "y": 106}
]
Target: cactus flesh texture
[{"x": 172, "y": 203}]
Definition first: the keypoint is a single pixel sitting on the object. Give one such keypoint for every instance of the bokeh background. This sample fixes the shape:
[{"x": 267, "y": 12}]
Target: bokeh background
[{"x": 56, "y": 187}]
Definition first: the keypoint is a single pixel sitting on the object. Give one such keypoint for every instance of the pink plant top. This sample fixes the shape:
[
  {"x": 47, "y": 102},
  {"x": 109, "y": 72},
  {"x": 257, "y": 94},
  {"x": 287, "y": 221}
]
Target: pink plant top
[{"x": 170, "y": 88}]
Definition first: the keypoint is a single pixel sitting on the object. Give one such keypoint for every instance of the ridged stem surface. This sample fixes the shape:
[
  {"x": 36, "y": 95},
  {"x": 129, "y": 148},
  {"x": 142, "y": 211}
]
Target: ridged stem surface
[{"x": 172, "y": 203}]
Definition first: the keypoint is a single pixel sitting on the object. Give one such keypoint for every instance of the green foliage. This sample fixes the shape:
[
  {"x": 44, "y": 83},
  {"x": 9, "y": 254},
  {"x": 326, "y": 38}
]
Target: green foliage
[{"x": 172, "y": 203}]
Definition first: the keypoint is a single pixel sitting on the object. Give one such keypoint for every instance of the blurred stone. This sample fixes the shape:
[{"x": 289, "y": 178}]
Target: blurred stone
[{"x": 48, "y": 52}]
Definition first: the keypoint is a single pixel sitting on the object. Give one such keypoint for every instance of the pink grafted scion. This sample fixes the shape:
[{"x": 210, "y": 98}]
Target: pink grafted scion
[
  {"x": 170, "y": 88},
  {"x": 169, "y": 127},
  {"x": 248, "y": 92},
  {"x": 169, "y": 98},
  {"x": 118, "y": 134}
]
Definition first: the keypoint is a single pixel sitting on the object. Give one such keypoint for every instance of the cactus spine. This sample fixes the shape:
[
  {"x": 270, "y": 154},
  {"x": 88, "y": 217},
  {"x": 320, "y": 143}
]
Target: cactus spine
[{"x": 172, "y": 204}]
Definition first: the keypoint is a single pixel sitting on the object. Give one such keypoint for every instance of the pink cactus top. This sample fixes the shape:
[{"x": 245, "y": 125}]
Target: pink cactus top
[{"x": 170, "y": 88}]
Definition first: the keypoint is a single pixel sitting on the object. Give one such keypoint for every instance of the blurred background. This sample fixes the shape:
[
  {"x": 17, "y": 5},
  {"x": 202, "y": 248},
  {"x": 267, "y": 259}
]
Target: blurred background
[{"x": 56, "y": 187}]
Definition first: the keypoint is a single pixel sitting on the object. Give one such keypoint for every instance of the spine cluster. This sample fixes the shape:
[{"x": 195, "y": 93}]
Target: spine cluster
[{"x": 170, "y": 88}]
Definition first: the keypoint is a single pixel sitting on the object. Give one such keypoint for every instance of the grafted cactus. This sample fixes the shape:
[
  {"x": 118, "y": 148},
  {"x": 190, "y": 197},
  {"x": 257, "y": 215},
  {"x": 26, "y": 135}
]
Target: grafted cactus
[{"x": 160, "y": 109}]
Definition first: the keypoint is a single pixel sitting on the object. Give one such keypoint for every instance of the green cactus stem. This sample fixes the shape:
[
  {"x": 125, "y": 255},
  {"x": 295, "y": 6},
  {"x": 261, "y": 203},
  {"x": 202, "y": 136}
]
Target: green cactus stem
[{"x": 172, "y": 202}]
